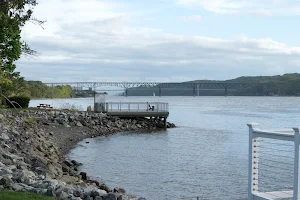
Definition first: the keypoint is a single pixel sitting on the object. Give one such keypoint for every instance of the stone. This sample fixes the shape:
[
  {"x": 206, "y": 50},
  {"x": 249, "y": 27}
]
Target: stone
[
  {"x": 17, "y": 187},
  {"x": 98, "y": 198},
  {"x": 79, "y": 124},
  {"x": 83, "y": 176},
  {"x": 3, "y": 136},
  {"x": 105, "y": 187},
  {"x": 61, "y": 195},
  {"x": 68, "y": 163},
  {"x": 110, "y": 196},
  {"x": 6, "y": 182},
  {"x": 119, "y": 190},
  {"x": 94, "y": 193},
  {"x": 75, "y": 163},
  {"x": 141, "y": 198},
  {"x": 77, "y": 193}
]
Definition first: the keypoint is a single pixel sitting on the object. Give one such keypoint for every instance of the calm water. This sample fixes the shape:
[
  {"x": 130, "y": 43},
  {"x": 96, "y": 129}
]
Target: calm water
[{"x": 205, "y": 156}]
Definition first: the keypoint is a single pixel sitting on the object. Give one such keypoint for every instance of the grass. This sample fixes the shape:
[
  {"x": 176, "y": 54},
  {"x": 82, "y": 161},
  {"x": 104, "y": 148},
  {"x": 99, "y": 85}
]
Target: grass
[{"x": 11, "y": 195}]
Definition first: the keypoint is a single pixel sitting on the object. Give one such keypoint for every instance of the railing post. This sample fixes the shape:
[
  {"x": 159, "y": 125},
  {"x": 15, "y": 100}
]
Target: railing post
[
  {"x": 253, "y": 161},
  {"x": 129, "y": 106},
  {"x": 296, "y": 195}
]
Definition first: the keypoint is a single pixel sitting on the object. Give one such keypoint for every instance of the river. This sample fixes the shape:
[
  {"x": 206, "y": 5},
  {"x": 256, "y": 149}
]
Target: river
[{"x": 205, "y": 157}]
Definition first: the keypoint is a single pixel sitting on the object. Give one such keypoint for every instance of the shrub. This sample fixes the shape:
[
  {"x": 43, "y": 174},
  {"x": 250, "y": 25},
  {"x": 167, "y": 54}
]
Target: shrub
[{"x": 23, "y": 101}]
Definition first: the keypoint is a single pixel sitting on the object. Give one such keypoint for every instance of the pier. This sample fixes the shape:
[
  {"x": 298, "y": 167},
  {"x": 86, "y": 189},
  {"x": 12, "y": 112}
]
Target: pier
[{"x": 152, "y": 110}]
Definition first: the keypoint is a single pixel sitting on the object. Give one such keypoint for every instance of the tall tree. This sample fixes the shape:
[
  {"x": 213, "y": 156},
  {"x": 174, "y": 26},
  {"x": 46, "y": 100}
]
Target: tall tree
[{"x": 13, "y": 16}]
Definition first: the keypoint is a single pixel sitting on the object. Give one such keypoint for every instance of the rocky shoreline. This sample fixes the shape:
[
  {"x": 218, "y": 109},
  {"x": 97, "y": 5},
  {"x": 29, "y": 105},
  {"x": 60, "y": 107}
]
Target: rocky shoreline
[{"x": 33, "y": 145}]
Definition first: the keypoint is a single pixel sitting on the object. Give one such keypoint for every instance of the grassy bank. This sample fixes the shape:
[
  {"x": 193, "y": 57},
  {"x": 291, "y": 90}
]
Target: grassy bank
[{"x": 10, "y": 195}]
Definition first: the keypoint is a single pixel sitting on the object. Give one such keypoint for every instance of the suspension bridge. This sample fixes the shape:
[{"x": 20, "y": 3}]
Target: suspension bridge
[{"x": 160, "y": 86}]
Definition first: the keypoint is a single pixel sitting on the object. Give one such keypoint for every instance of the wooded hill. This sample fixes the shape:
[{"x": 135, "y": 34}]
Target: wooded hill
[{"x": 280, "y": 85}]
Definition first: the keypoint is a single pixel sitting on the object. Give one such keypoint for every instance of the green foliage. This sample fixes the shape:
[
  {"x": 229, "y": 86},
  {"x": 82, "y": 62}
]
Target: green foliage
[
  {"x": 285, "y": 85},
  {"x": 11, "y": 195},
  {"x": 38, "y": 90},
  {"x": 23, "y": 101}
]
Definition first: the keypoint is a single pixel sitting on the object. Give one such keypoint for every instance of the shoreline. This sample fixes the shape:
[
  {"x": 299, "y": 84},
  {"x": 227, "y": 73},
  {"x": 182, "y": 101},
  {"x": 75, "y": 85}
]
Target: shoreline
[{"x": 35, "y": 145}]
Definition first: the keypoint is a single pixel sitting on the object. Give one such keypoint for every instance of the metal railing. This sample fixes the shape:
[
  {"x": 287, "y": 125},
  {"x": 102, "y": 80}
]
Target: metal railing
[
  {"x": 273, "y": 164},
  {"x": 136, "y": 107}
]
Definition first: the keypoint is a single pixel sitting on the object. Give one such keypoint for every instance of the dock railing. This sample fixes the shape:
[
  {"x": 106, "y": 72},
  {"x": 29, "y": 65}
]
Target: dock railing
[
  {"x": 136, "y": 107},
  {"x": 273, "y": 164}
]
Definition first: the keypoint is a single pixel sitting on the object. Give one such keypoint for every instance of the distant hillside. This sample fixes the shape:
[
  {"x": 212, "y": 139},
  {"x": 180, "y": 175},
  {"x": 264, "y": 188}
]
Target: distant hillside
[{"x": 285, "y": 85}]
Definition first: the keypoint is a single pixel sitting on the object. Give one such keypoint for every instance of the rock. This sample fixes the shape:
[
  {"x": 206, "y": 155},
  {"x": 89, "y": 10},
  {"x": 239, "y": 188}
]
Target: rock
[
  {"x": 78, "y": 124},
  {"x": 119, "y": 190},
  {"x": 60, "y": 121},
  {"x": 2, "y": 117},
  {"x": 94, "y": 193},
  {"x": 83, "y": 176},
  {"x": 68, "y": 163},
  {"x": 98, "y": 198},
  {"x": 77, "y": 193},
  {"x": 75, "y": 163},
  {"x": 141, "y": 198},
  {"x": 17, "y": 187},
  {"x": 61, "y": 195},
  {"x": 3, "y": 136},
  {"x": 110, "y": 196},
  {"x": 105, "y": 188},
  {"x": 6, "y": 181}
]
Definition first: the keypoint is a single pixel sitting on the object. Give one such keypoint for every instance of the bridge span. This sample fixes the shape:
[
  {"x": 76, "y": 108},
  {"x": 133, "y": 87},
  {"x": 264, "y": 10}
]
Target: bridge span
[{"x": 196, "y": 86}]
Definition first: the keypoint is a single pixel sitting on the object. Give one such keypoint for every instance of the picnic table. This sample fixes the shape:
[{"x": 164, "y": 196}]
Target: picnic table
[{"x": 45, "y": 106}]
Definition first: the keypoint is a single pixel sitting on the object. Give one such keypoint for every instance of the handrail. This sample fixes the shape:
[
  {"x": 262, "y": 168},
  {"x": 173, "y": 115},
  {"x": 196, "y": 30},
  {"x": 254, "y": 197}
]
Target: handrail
[{"x": 136, "y": 107}]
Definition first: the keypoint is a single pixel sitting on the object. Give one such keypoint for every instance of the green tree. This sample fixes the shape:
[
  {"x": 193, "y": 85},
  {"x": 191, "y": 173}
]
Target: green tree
[{"x": 13, "y": 16}]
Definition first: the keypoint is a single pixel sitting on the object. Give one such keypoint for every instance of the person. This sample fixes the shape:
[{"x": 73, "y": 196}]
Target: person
[{"x": 150, "y": 108}]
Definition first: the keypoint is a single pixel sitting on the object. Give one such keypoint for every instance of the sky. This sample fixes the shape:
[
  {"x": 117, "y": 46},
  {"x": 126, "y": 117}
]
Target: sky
[{"x": 161, "y": 40}]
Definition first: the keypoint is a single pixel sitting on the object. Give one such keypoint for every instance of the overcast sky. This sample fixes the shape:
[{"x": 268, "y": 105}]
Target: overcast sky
[{"x": 162, "y": 40}]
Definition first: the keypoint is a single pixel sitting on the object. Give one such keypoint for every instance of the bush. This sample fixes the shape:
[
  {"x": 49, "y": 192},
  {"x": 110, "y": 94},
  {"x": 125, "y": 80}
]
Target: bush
[{"x": 23, "y": 101}]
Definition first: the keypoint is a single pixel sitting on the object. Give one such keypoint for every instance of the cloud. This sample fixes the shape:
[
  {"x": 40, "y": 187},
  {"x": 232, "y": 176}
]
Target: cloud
[
  {"x": 192, "y": 18},
  {"x": 244, "y": 7},
  {"x": 95, "y": 41}
]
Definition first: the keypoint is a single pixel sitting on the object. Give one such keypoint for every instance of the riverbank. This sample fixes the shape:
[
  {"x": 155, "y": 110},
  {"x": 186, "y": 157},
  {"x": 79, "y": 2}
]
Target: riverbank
[{"x": 34, "y": 144}]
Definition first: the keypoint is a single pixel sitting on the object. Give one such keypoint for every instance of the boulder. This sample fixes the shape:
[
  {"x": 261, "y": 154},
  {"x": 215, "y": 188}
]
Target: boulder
[
  {"x": 119, "y": 190},
  {"x": 6, "y": 181},
  {"x": 78, "y": 124},
  {"x": 83, "y": 176},
  {"x": 17, "y": 187},
  {"x": 3, "y": 136},
  {"x": 110, "y": 196},
  {"x": 105, "y": 188}
]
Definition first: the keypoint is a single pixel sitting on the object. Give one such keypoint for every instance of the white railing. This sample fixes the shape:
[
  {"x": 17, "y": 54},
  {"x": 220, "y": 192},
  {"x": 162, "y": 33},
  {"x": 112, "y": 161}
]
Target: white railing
[
  {"x": 136, "y": 107},
  {"x": 273, "y": 164}
]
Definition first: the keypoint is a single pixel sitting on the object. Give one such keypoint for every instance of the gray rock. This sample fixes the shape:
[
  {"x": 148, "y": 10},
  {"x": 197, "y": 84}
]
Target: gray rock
[
  {"x": 105, "y": 187},
  {"x": 77, "y": 193},
  {"x": 3, "y": 136},
  {"x": 94, "y": 193},
  {"x": 98, "y": 198},
  {"x": 79, "y": 124},
  {"x": 60, "y": 194},
  {"x": 110, "y": 196},
  {"x": 6, "y": 181},
  {"x": 119, "y": 190},
  {"x": 84, "y": 176},
  {"x": 17, "y": 187},
  {"x": 75, "y": 198},
  {"x": 141, "y": 198}
]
